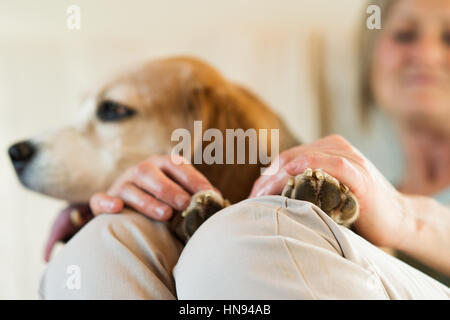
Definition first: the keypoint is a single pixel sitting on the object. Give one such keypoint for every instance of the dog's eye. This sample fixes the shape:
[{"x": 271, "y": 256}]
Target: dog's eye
[{"x": 113, "y": 111}]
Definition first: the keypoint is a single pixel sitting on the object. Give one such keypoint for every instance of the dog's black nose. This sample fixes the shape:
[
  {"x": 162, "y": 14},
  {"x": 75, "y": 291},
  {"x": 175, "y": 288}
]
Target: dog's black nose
[{"x": 20, "y": 153}]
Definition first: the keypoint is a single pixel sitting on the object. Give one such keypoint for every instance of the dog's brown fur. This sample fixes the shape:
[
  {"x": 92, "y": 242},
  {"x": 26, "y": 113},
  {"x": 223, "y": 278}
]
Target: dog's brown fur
[
  {"x": 223, "y": 105},
  {"x": 219, "y": 104}
]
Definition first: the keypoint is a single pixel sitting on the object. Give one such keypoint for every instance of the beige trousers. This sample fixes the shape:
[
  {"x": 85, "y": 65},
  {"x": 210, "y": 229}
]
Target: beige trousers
[{"x": 264, "y": 248}]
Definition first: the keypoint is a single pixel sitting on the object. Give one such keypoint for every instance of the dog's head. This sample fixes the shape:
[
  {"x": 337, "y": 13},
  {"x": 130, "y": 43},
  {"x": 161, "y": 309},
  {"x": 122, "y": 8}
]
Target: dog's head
[
  {"x": 129, "y": 119},
  {"x": 132, "y": 118}
]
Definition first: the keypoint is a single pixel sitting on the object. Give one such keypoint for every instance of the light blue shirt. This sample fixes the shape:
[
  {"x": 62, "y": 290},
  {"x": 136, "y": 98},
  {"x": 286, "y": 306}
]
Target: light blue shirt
[{"x": 443, "y": 197}]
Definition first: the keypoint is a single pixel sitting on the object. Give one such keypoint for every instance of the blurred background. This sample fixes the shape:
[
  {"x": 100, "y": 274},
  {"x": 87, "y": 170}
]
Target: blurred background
[{"x": 298, "y": 55}]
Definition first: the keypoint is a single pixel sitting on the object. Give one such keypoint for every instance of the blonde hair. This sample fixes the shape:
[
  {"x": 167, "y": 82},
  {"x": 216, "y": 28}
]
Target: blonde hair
[{"x": 366, "y": 47}]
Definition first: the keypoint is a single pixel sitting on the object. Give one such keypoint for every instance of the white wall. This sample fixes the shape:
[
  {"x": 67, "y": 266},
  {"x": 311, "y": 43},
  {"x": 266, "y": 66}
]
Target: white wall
[{"x": 45, "y": 69}]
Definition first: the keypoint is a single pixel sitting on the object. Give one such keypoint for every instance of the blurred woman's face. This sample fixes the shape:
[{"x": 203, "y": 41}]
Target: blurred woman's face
[{"x": 411, "y": 65}]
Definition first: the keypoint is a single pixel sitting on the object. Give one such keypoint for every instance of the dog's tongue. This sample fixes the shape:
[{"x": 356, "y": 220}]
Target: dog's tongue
[{"x": 68, "y": 222}]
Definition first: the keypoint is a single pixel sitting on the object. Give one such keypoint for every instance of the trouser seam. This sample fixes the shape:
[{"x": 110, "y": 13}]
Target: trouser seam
[
  {"x": 343, "y": 251},
  {"x": 329, "y": 228},
  {"x": 290, "y": 254}
]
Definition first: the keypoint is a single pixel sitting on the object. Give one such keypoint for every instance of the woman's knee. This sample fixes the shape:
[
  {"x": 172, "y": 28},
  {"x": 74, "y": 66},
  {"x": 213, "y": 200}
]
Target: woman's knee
[
  {"x": 266, "y": 249},
  {"x": 116, "y": 254},
  {"x": 234, "y": 248},
  {"x": 257, "y": 221}
]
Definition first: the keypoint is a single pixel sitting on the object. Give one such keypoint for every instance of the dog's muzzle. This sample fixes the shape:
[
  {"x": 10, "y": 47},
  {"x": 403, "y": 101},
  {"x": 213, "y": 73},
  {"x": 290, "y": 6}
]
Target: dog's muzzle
[{"x": 21, "y": 153}]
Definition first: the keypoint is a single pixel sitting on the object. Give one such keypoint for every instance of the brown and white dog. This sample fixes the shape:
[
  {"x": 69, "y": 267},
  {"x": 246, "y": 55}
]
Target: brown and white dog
[{"x": 133, "y": 117}]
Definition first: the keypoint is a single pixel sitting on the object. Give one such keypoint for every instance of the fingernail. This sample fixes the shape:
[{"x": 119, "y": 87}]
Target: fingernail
[
  {"x": 107, "y": 205},
  {"x": 291, "y": 166},
  {"x": 160, "y": 211},
  {"x": 182, "y": 201},
  {"x": 205, "y": 187}
]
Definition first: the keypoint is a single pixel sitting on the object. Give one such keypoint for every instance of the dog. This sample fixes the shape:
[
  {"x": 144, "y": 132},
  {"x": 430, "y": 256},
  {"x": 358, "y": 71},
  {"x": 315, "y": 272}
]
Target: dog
[{"x": 131, "y": 118}]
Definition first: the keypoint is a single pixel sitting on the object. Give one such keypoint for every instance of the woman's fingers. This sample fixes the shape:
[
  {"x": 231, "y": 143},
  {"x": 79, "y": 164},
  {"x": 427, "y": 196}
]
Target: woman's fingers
[
  {"x": 276, "y": 167},
  {"x": 103, "y": 203},
  {"x": 271, "y": 185},
  {"x": 337, "y": 166},
  {"x": 144, "y": 203},
  {"x": 185, "y": 174},
  {"x": 154, "y": 187},
  {"x": 152, "y": 180}
]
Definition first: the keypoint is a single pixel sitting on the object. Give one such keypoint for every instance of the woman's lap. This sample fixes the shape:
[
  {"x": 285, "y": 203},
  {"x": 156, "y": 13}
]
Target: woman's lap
[{"x": 264, "y": 248}]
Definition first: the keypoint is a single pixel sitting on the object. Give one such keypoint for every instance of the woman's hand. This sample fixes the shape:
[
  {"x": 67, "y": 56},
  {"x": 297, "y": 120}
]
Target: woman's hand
[
  {"x": 154, "y": 187},
  {"x": 381, "y": 205}
]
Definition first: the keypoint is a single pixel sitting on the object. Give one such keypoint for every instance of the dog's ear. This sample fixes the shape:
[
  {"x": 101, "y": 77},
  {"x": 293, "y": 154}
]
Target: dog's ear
[
  {"x": 218, "y": 107},
  {"x": 195, "y": 98}
]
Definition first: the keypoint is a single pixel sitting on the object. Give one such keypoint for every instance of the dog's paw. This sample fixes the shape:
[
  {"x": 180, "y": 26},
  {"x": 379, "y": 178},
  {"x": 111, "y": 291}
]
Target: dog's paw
[
  {"x": 203, "y": 205},
  {"x": 325, "y": 191}
]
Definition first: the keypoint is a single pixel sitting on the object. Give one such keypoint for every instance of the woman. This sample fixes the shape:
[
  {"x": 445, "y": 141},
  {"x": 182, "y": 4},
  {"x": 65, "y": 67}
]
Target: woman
[
  {"x": 408, "y": 75},
  {"x": 405, "y": 71}
]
